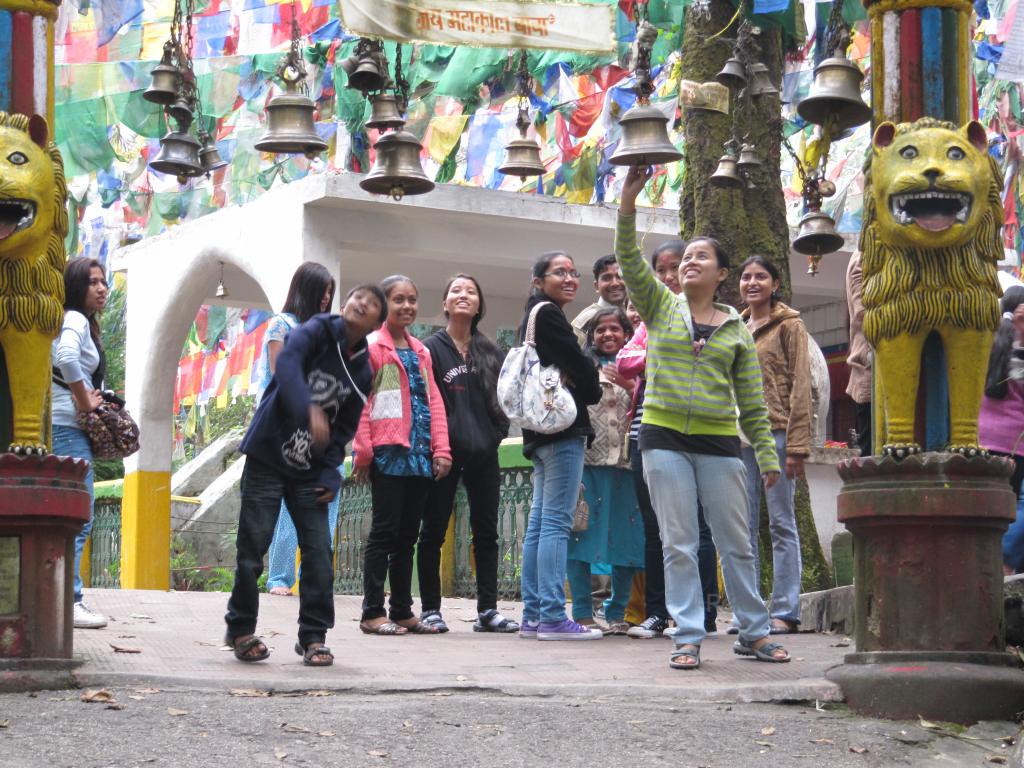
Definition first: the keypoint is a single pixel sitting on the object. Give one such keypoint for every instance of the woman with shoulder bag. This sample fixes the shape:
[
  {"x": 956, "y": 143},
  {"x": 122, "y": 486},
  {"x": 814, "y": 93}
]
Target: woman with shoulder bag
[
  {"x": 79, "y": 365},
  {"x": 557, "y": 458}
]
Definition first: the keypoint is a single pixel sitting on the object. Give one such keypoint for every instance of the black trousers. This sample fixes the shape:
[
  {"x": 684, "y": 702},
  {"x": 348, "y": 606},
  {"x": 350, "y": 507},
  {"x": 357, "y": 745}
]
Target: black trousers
[
  {"x": 262, "y": 491},
  {"x": 482, "y": 481},
  {"x": 654, "y": 556},
  {"x": 398, "y": 504}
]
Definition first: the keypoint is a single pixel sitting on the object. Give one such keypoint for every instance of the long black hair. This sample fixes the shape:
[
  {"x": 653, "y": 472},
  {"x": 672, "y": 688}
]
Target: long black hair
[
  {"x": 996, "y": 380},
  {"x": 540, "y": 269},
  {"x": 768, "y": 267},
  {"x": 675, "y": 247},
  {"x": 77, "y": 273},
  {"x": 619, "y": 314},
  {"x": 309, "y": 283},
  {"x": 484, "y": 356}
]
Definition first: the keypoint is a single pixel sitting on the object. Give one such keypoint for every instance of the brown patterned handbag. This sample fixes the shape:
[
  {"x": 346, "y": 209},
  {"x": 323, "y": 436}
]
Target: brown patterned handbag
[{"x": 112, "y": 432}]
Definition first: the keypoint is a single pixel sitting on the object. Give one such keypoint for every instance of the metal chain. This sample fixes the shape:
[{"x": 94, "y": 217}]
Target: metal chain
[
  {"x": 798, "y": 163},
  {"x": 401, "y": 84},
  {"x": 522, "y": 91},
  {"x": 835, "y": 29}
]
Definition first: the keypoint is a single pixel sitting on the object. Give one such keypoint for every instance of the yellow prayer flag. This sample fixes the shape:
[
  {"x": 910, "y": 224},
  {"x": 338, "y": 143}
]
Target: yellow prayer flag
[{"x": 444, "y": 133}]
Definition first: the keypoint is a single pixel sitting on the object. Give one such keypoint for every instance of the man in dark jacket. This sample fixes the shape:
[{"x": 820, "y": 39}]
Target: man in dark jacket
[{"x": 293, "y": 447}]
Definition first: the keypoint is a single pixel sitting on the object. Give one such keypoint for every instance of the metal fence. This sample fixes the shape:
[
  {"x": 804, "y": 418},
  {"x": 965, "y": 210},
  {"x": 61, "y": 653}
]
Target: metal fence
[
  {"x": 353, "y": 529},
  {"x": 105, "y": 555}
]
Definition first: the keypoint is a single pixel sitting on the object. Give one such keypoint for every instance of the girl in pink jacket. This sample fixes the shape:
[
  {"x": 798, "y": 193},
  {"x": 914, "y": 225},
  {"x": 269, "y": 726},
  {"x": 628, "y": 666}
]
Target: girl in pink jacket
[{"x": 402, "y": 447}]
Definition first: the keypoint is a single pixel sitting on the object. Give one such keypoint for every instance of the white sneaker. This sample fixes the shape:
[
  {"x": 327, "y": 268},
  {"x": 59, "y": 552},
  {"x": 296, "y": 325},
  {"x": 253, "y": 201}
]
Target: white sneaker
[{"x": 86, "y": 619}]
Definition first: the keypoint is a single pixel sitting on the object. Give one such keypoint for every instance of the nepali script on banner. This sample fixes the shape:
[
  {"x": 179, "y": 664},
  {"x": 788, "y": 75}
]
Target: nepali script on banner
[{"x": 500, "y": 24}]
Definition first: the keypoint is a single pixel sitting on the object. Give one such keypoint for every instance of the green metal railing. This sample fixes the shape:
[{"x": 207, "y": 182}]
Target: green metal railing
[{"x": 105, "y": 554}]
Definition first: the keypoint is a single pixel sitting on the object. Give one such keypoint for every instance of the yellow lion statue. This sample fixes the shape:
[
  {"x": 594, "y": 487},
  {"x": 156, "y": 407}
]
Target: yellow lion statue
[
  {"x": 930, "y": 244},
  {"x": 33, "y": 224}
]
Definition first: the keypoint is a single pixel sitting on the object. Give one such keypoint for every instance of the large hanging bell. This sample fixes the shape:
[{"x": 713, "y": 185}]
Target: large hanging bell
[
  {"x": 644, "y": 138},
  {"x": 364, "y": 73},
  {"x": 290, "y": 127},
  {"x": 209, "y": 156},
  {"x": 835, "y": 92},
  {"x": 178, "y": 155},
  {"x": 163, "y": 88},
  {"x": 385, "y": 114},
  {"x": 761, "y": 85},
  {"x": 732, "y": 75},
  {"x": 817, "y": 235},
  {"x": 181, "y": 110},
  {"x": 749, "y": 160},
  {"x": 522, "y": 159},
  {"x": 396, "y": 168},
  {"x": 727, "y": 175}
]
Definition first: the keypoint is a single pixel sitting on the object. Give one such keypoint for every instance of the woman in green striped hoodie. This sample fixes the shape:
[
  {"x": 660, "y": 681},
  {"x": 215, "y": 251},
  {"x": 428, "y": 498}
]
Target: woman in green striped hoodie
[{"x": 702, "y": 369}]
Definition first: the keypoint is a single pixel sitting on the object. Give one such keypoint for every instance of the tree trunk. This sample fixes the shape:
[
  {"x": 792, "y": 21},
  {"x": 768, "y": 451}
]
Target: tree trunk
[{"x": 745, "y": 221}]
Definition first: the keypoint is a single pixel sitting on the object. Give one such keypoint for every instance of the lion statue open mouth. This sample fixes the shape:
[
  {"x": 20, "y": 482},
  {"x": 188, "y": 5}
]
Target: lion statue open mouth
[{"x": 930, "y": 245}]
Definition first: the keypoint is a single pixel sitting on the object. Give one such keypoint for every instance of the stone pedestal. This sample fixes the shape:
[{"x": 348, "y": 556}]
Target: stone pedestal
[
  {"x": 43, "y": 504},
  {"x": 928, "y": 588}
]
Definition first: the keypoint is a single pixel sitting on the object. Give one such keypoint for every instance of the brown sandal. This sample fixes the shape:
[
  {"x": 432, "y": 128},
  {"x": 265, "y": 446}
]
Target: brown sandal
[
  {"x": 420, "y": 628},
  {"x": 315, "y": 655},
  {"x": 387, "y": 628}
]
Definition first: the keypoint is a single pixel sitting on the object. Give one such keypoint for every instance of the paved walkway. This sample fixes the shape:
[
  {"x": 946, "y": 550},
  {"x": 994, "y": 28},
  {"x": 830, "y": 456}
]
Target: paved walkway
[{"x": 179, "y": 639}]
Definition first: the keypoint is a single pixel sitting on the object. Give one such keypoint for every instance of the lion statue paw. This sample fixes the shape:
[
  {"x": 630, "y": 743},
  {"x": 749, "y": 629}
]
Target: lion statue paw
[
  {"x": 20, "y": 449},
  {"x": 970, "y": 451},
  {"x": 900, "y": 451}
]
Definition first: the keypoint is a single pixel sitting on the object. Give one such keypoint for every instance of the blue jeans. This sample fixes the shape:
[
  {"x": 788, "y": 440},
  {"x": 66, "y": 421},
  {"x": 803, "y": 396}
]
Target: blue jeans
[
  {"x": 786, "y": 563},
  {"x": 677, "y": 481},
  {"x": 557, "y": 472},
  {"x": 579, "y": 584},
  {"x": 71, "y": 441},
  {"x": 1013, "y": 541},
  {"x": 281, "y": 559}
]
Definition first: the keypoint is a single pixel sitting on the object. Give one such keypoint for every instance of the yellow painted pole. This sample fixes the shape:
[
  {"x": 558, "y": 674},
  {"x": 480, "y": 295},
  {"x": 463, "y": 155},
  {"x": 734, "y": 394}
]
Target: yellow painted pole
[{"x": 146, "y": 530}]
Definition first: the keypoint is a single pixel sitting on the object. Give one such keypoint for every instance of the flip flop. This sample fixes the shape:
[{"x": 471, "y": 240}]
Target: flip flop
[
  {"x": 681, "y": 652},
  {"x": 312, "y": 652},
  {"x": 388, "y": 628},
  {"x": 764, "y": 653},
  {"x": 241, "y": 649}
]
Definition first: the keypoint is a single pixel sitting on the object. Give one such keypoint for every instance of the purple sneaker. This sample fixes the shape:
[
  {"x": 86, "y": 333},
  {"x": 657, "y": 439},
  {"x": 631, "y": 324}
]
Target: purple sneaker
[
  {"x": 567, "y": 629},
  {"x": 528, "y": 630}
]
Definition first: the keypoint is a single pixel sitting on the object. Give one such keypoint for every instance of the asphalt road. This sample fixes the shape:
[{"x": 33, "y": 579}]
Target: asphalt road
[{"x": 143, "y": 727}]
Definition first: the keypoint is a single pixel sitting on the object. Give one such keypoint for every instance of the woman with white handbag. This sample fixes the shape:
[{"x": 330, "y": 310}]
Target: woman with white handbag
[{"x": 557, "y": 457}]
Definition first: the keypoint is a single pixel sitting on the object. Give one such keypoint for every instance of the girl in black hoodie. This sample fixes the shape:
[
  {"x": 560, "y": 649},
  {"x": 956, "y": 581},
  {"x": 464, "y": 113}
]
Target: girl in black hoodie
[
  {"x": 557, "y": 458},
  {"x": 466, "y": 365}
]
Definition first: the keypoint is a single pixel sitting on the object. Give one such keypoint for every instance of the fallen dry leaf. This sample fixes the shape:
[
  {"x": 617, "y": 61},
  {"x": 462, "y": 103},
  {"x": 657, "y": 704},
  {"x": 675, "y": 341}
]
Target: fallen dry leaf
[
  {"x": 858, "y": 750},
  {"x": 253, "y": 693},
  {"x": 5, "y": 723},
  {"x": 280, "y": 754},
  {"x": 764, "y": 743},
  {"x": 822, "y": 741},
  {"x": 147, "y": 690},
  {"x": 114, "y": 705},
  {"x": 124, "y": 649},
  {"x": 407, "y": 723},
  {"x": 325, "y": 733},
  {"x": 291, "y": 728},
  {"x": 319, "y": 693},
  {"x": 137, "y": 698},
  {"x": 173, "y": 712},
  {"x": 377, "y": 753},
  {"x": 461, "y": 678},
  {"x": 138, "y": 616},
  {"x": 999, "y": 759},
  {"x": 97, "y": 695},
  {"x": 841, "y": 644},
  {"x": 440, "y": 693},
  {"x": 126, "y": 637},
  {"x": 769, "y": 731}
]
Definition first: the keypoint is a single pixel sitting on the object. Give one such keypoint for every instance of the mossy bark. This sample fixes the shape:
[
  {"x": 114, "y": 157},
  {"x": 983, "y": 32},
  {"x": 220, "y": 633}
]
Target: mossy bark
[{"x": 747, "y": 221}]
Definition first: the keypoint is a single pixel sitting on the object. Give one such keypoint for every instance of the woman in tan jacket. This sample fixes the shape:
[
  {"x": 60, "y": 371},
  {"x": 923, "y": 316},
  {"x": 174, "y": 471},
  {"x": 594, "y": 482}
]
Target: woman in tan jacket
[{"x": 781, "y": 341}]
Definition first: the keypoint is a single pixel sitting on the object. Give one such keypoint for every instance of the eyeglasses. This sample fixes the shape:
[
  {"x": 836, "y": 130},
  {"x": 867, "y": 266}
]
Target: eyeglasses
[{"x": 561, "y": 274}]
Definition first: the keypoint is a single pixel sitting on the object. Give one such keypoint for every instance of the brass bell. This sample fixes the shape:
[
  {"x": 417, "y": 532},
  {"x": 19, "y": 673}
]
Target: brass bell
[
  {"x": 749, "y": 160},
  {"x": 732, "y": 75},
  {"x": 762, "y": 83},
  {"x": 644, "y": 138},
  {"x": 178, "y": 155},
  {"x": 209, "y": 156},
  {"x": 835, "y": 92},
  {"x": 385, "y": 114},
  {"x": 396, "y": 168},
  {"x": 522, "y": 159},
  {"x": 181, "y": 110},
  {"x": 290, "y": 127},
  {"x": 817, "y": 234},
  {"x": 163, "y": 88},
  {"x": 364, "y": 73},
  {"x": 727, "y": 175}
]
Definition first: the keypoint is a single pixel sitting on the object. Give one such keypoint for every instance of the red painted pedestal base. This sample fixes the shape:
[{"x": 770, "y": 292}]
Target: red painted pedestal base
[
  {"x": 928, "y": 588},
  {"x": 43, "y": 504}
]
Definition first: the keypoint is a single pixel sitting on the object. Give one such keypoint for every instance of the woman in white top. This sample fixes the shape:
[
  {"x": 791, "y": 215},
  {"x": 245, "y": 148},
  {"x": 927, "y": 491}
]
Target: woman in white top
[{"x": 79, "y": 365}]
